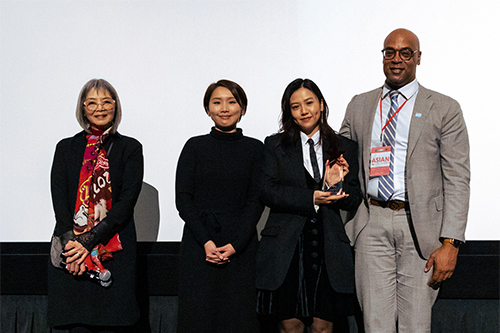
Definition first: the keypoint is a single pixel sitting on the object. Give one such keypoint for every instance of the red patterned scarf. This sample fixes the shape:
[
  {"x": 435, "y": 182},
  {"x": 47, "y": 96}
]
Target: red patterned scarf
[{"x": 94, "y": 198}]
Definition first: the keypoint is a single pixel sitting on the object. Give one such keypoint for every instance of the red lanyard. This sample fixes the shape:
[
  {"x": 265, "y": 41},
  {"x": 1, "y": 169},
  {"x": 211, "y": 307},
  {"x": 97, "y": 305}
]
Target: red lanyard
[{"x": 388, "y": 121}]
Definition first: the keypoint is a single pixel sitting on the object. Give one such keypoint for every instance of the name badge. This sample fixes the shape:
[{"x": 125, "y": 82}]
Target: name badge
[{"x": 380, "y": 161}]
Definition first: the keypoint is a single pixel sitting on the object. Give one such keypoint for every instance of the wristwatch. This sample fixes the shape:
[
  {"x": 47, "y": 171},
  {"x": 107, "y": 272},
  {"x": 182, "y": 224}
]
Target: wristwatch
[{"x": 455, "y": 242}]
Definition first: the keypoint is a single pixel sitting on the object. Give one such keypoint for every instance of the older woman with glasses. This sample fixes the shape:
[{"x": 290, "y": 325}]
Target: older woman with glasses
[{"x": 96, "y": 178}]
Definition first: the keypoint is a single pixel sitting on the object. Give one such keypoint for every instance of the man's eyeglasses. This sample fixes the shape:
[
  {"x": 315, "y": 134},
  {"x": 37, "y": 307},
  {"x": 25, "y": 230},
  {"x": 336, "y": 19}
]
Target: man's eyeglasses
[
  {"x": 106, "y": 105},
  {"x": 404, "y": 53}
]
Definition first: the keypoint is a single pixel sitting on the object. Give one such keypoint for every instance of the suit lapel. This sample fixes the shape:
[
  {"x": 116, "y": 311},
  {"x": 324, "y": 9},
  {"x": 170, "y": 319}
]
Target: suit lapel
[
  {"x": 77, "y": 150},
  {"x": 372, "y": 104},
  {"x": 75, "y": 162},
  {"x": 325, "y": 145},
  {"x": 420, "y": 114},
  {"x": 295, "y": 160},
  {"x": 114, "y": 148}
]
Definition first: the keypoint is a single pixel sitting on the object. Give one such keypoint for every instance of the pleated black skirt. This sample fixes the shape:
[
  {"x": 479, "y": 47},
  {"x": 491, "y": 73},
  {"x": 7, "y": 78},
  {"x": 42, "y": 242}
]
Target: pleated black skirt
[{"x": 306, "y": 291}]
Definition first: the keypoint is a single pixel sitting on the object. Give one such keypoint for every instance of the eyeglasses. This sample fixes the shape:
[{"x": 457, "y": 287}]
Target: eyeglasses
[
  {"x": 405, "y": 53},
  {"x": 106, "y": 105}
]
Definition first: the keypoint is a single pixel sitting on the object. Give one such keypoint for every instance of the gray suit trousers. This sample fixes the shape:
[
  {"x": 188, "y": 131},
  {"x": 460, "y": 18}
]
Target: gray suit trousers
[{"x": 390, "y": 280}]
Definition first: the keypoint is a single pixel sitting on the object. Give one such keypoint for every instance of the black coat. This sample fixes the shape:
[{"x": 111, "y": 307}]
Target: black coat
[
  {"x": 74, "y": 300},
  {"x": 286, "y": 192}
]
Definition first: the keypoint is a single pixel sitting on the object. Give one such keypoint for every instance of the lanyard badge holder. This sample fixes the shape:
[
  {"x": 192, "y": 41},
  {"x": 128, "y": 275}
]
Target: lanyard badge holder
[{"x": 381, "y": 155}]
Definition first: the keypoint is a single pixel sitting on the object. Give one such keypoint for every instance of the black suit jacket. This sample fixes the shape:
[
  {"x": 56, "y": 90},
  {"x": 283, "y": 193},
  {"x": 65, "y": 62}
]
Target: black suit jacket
[{"x": 285, "y": 191}]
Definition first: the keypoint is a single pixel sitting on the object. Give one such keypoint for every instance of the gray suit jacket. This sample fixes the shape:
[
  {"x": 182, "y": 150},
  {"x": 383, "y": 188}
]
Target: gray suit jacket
[{"x": 437, "y": 166}]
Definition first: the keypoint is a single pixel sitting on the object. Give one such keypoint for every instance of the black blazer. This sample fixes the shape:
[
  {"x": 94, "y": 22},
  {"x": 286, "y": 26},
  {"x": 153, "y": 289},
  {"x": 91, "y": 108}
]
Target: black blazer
[{"x": 285, "y": 191}]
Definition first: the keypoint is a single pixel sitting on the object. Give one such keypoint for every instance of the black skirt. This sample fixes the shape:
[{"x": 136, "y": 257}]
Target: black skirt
[{"x": 306, "y": 291}]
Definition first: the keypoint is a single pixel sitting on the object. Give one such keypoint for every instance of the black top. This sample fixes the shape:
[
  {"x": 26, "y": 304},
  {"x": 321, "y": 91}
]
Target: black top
[{"x": 216, "y": 180}]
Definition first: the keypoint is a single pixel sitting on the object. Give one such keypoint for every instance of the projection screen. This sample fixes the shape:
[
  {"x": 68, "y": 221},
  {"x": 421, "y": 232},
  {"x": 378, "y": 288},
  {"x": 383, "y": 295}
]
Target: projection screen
[{"x": 161, "y": 56}]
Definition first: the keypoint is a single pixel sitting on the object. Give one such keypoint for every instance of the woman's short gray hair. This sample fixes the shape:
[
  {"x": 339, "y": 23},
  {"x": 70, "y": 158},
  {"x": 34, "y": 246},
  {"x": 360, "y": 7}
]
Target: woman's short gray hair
[{"x": 80, "y": 107}]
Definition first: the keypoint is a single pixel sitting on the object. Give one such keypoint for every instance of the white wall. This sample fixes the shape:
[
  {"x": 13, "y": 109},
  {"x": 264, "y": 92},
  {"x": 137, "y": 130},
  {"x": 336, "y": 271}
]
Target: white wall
[{"x": 161, "y": 56}]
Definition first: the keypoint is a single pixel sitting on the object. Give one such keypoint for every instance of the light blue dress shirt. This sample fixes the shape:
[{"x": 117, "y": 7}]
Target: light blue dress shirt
[{"x": 408, "y": 92}]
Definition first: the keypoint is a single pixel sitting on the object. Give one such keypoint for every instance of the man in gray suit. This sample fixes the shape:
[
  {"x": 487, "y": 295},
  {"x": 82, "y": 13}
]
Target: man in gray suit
[{"x": 414, "y": 174}]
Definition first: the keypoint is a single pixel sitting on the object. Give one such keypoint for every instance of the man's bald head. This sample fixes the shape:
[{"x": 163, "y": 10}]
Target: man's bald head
[
  {"x": 406, "y": 34},
  {"x": 399, "y": 72}
]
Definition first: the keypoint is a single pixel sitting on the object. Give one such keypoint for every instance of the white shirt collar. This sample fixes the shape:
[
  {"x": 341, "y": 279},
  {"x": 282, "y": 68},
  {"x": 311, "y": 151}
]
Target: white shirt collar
[
  {"x": 406, "y": 91},
  {"x": 315, "y": 138}
]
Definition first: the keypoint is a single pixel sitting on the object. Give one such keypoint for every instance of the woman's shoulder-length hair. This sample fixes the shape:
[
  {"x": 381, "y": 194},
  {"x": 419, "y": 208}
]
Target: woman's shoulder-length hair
[
  {"x": 233, "y": 87},
  {"x": 80, "y": 107}
]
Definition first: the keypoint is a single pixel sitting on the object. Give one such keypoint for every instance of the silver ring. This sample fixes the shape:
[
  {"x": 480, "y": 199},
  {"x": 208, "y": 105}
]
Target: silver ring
[{"x": 78, "y": 253}]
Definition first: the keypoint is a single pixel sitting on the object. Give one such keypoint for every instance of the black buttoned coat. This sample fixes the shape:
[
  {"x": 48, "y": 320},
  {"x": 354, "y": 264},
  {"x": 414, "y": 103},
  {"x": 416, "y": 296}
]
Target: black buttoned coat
[{"x": 285, "y": 191}]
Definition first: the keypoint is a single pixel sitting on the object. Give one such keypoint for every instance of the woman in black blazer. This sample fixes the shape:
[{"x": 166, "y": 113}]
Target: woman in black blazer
[{"x": 305, "y": 274}]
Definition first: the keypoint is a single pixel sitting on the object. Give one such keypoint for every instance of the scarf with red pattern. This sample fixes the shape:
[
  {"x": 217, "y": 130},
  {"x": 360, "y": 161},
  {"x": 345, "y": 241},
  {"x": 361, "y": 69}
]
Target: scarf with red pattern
[{"x": 94, "y": 198}]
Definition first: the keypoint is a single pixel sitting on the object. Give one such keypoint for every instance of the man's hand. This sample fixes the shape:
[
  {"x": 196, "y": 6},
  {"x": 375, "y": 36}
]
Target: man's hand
[{"x": 443, "y": 259}]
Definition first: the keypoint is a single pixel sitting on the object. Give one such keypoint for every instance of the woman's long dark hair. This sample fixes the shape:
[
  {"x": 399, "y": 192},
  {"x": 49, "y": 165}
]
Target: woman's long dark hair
[{"x": 290, "y": 128}]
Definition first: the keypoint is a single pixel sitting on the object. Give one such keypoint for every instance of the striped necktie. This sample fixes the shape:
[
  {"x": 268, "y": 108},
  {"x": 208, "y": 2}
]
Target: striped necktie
[
  {"x": 314, "y": 160},
  {"x": 386, "y": 183}
]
